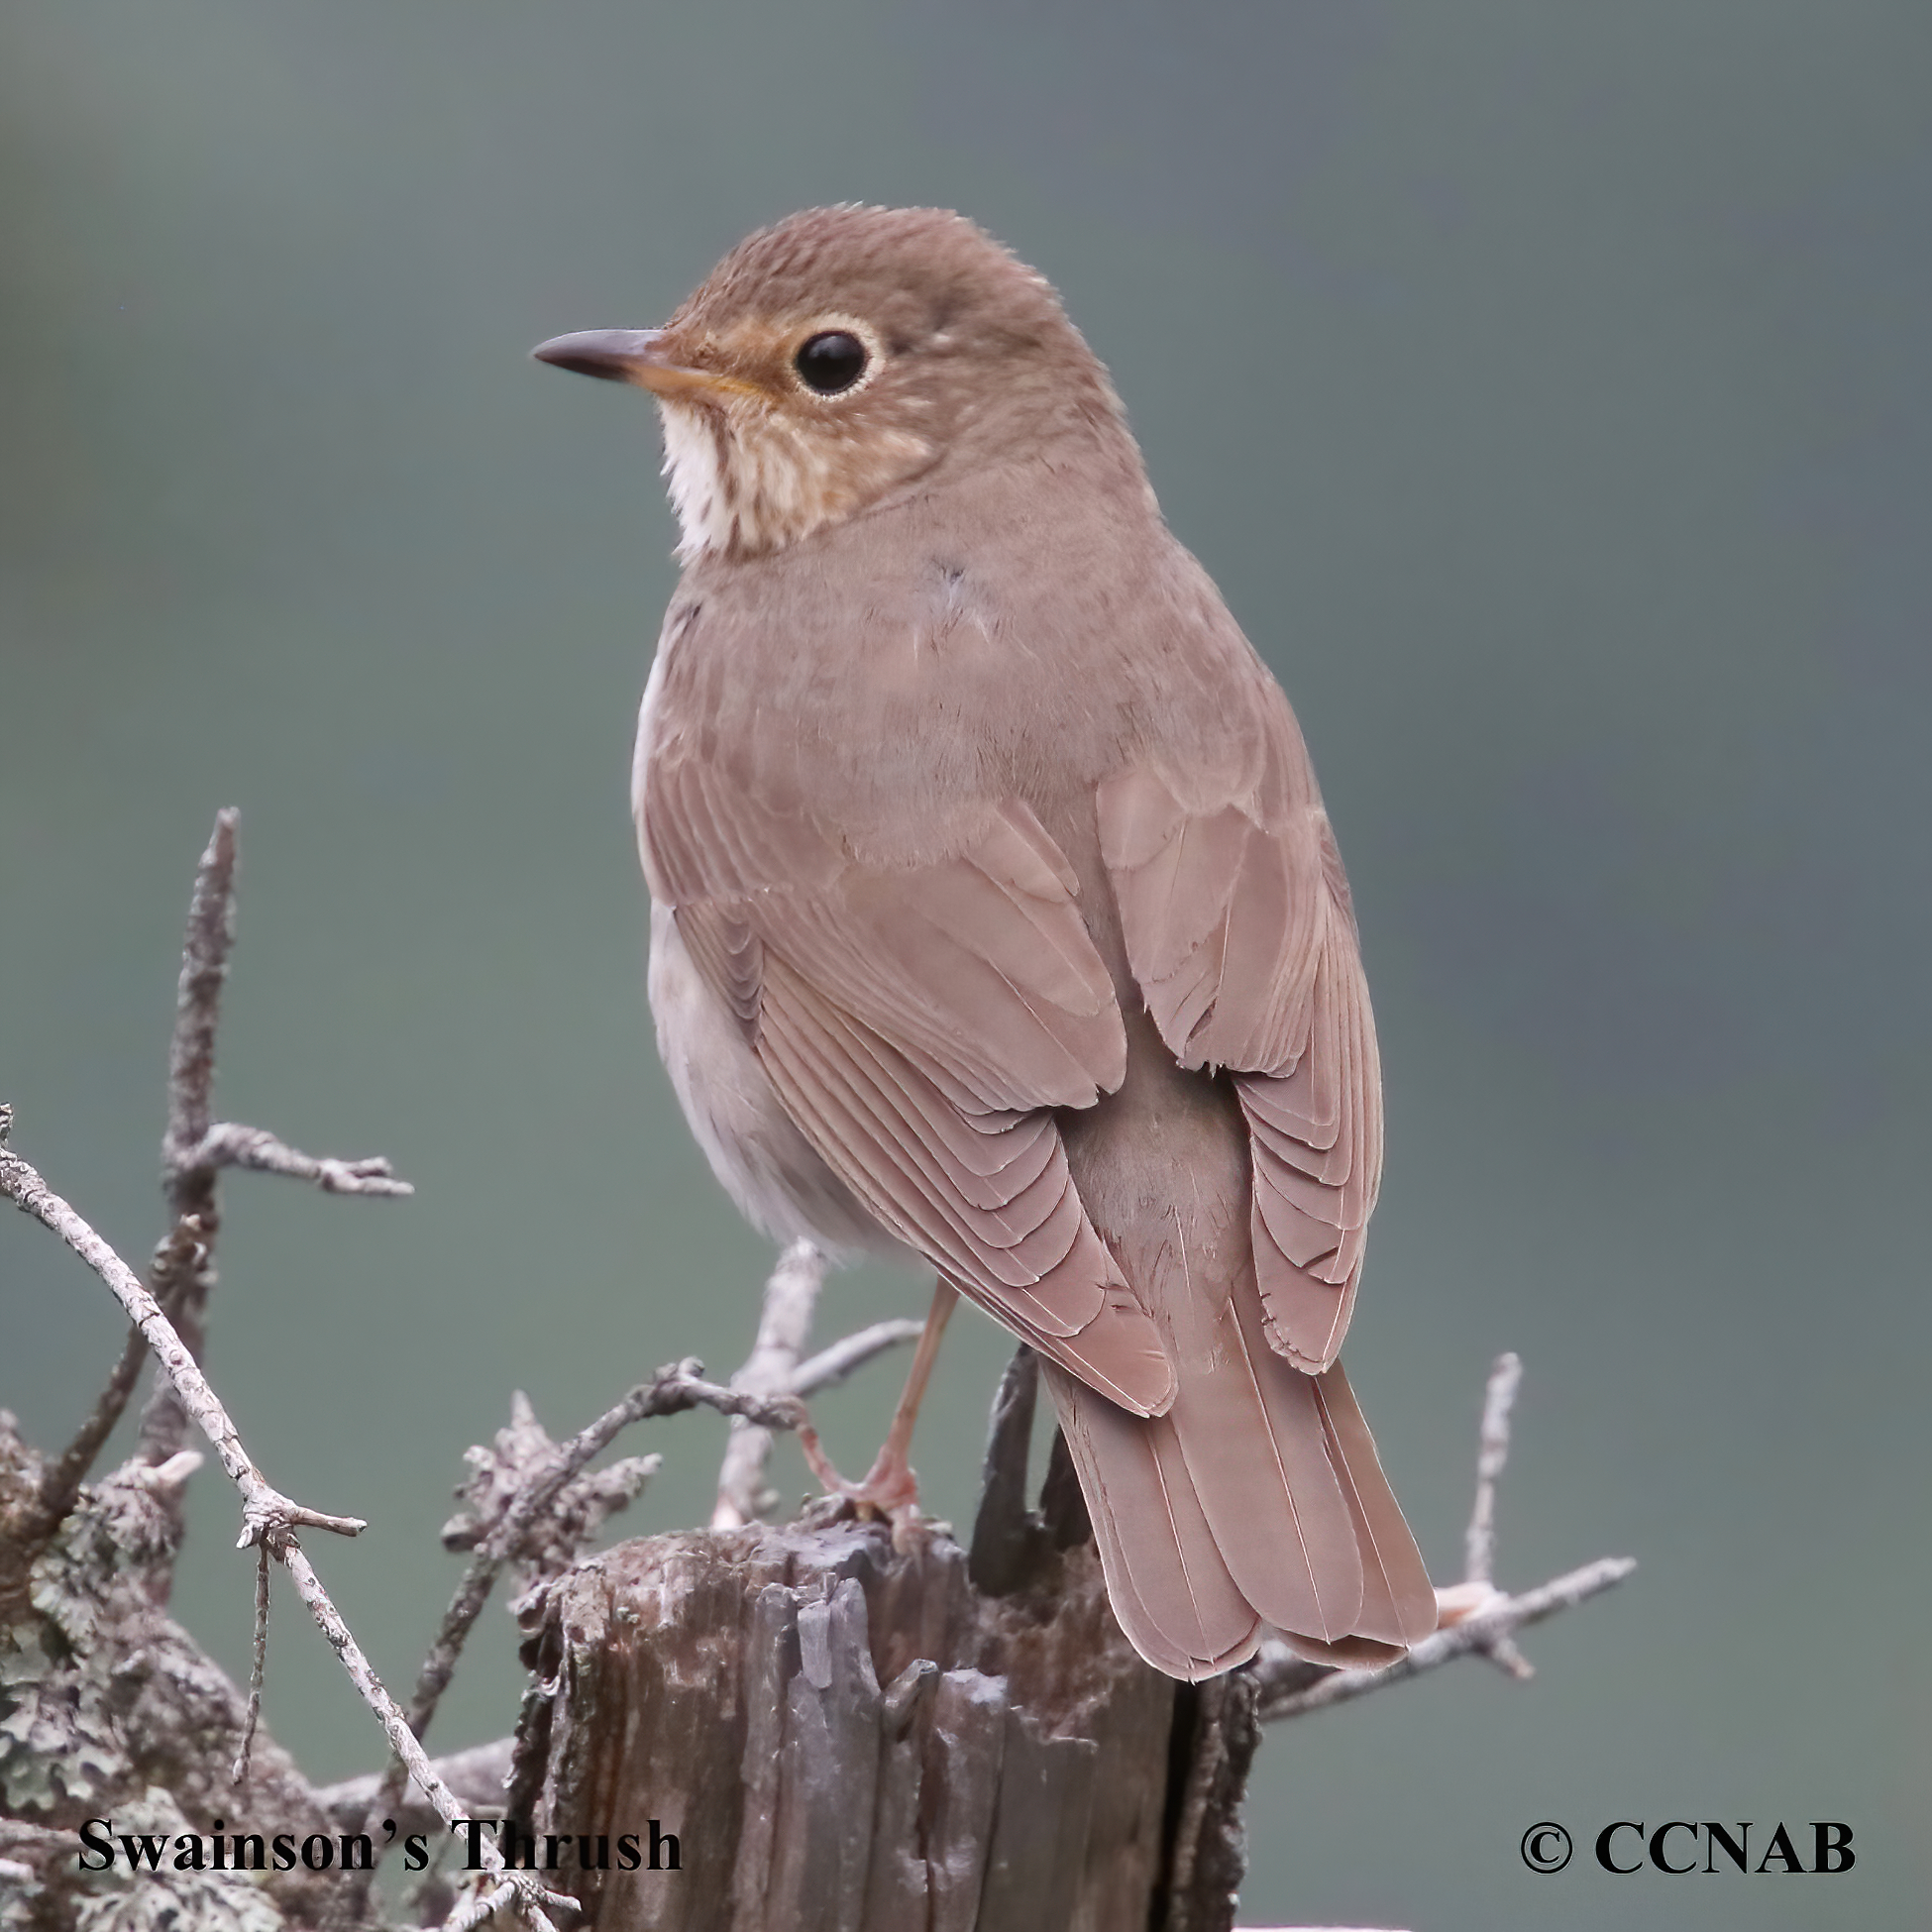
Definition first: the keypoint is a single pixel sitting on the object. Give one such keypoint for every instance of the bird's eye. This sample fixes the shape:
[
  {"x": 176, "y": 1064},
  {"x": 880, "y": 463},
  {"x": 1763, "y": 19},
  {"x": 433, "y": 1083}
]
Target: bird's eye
[{"x": 830, "y": 362}]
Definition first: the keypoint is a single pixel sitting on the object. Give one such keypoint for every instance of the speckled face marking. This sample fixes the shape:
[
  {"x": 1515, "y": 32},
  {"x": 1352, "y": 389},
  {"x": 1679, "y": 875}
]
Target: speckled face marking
[{"x": 790, "y": 444}]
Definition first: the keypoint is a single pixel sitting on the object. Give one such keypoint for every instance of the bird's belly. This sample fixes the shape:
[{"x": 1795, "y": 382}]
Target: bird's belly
[{"x": 766, "y": 1165}]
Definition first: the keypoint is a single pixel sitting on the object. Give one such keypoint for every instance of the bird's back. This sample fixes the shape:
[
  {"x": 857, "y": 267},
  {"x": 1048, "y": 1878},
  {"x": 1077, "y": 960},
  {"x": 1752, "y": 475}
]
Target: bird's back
[{"x": 1039, "y": 661}]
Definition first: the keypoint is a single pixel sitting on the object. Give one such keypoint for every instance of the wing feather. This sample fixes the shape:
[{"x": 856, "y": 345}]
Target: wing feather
[
  {"x": 1242, "y": 939},
  {"x": 919, "y": 1021}
]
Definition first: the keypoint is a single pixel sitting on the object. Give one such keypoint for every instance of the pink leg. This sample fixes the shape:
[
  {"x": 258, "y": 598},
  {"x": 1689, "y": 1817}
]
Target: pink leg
[{"x": 891, "y": 1487}]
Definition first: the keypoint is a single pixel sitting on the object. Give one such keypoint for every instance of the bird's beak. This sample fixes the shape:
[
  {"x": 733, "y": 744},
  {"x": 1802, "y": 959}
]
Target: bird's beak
[{"x": 636, "y": 356}]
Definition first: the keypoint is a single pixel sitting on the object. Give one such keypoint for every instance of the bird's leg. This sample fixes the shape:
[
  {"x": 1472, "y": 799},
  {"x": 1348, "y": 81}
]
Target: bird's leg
[{"x": 891, "y": 1487}]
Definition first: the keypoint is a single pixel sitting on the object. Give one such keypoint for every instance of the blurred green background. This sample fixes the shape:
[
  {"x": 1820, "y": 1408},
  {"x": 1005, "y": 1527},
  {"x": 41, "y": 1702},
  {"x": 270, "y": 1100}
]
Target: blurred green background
[{"x": 1547, "y": 388}]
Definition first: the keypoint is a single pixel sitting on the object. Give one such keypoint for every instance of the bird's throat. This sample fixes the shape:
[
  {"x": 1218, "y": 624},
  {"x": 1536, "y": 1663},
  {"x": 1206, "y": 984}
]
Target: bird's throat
[{"x": 745, "y": 480}]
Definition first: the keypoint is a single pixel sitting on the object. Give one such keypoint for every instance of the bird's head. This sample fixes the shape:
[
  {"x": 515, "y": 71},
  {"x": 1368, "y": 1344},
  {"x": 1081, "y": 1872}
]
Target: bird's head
[{"x": 838, "y": 356}]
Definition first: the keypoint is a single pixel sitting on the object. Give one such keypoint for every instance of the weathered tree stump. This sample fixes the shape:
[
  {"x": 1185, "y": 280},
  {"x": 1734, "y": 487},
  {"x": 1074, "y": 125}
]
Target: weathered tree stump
[{"x": 817, "y": 1733}]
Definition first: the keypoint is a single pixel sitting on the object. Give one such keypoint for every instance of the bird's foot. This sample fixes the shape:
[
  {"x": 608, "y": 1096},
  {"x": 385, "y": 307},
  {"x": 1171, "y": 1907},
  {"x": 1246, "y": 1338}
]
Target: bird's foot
[{"x": 889, "y": 1490}]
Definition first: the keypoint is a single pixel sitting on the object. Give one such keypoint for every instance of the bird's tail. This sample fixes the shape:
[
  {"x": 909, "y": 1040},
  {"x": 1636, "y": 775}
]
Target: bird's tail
[{"x": 1256, "y": 1503}]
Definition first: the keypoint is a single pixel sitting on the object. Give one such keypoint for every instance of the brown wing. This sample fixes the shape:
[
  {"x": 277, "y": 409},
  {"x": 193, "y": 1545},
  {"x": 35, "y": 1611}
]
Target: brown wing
[
  {"x": 1240, "y": 934},
  {"x": 918, "y": 1021}
]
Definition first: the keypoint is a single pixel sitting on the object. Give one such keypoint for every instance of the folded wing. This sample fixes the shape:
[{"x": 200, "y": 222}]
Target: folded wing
[
  {"x": 919, "y": 1020},
  {"x": 1240, "y": 934}
]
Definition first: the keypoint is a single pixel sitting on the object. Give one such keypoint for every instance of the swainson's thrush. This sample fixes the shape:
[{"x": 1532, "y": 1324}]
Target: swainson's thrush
[{"x": 996, "y": 915}]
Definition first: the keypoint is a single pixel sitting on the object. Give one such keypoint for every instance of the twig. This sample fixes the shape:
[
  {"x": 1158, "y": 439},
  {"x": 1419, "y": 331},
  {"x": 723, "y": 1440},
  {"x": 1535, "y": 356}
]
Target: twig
[
  {"x": 60, "y": 1484},
  {"x": 476, "y": 1776},
  {"x": 197, "y": 1003},
  {"x": 258, "y": 1666},
  {"x": 230, "y": 1144},
  {"x": 1475, "y": 1632},
  {"x": 500, "y": 1473},
  {"x": 670, "y": 1391},
  {"x": 1479, "y": 1586},
  {"x": 266, "y": 1510},
  {"x": 830, "y": 1366},
  {"x": 192, "y": 1192},
  {"x": 270, "y": 1519},
  {"x": 173, "y": 1258},
  {"x": 395, "y": 1726},
  {"x": 196, "y": 1148},
  {"x": 1492, "y": 1452},
  {"x": 783, "y": 1323}
]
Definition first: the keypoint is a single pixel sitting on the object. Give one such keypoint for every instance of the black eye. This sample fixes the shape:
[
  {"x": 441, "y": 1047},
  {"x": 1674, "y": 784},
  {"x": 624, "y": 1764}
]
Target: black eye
[{"x": 830, "y": 362}]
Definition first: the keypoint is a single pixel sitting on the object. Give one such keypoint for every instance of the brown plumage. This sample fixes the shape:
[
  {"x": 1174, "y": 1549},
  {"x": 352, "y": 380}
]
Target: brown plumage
[{"x": 996, "y": 914}]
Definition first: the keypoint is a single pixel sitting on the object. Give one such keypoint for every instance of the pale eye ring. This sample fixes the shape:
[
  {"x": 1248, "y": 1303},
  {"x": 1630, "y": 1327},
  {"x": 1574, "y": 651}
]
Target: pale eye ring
[{"x": 830, "y": 362}]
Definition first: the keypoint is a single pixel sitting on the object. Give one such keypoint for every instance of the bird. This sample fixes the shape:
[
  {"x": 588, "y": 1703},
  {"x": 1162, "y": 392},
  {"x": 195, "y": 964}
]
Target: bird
[{"x": 996, "y": 920}]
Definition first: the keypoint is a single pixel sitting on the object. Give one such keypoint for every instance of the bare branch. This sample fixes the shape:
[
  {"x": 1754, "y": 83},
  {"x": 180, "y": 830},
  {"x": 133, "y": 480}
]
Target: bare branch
[
  {"x": 395, "y": 1726},
  {"x": 194, "y": 1149},
  {"x": 483, "y": 1905},
  {"x": 1475, "y": 1632},
  {"x": 670, "y": 1391},
  {"x": 783, "y": 1323},
  {"x": 193, "y": 1154},
  {"x": 1492, "y": 1452},
  {"x": 258, "y": 1666},
  {"x": 520, "y": 1453},
  {"x": 184, "y": 1272},
  {"x": 265, "y": 1511},
  {"x": 270, "y": 1519},
  {"x": 182, "y": 1277},
  {"x": 197, "y": 1003},
  {"x": 476, "y": 1776},
  {"x": 60, "y": 1484},
  {"x": 830, "y": 1366},
  {"x": 479, "y": 1908},
  {"x": 230, "y": 1144},
  {"x": 1477, "y": 1590},
  {"x": 520, "y": 1456}
]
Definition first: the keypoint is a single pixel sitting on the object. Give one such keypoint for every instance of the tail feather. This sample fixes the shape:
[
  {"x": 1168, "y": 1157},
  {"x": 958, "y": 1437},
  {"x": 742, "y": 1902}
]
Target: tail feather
[
  {"x": 1169, "y": 1587},
  {"x": 1398, "y": 1600},
  {"x": 1198, "y": 1570},
  {"x": 1250, "y": 1429}
]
